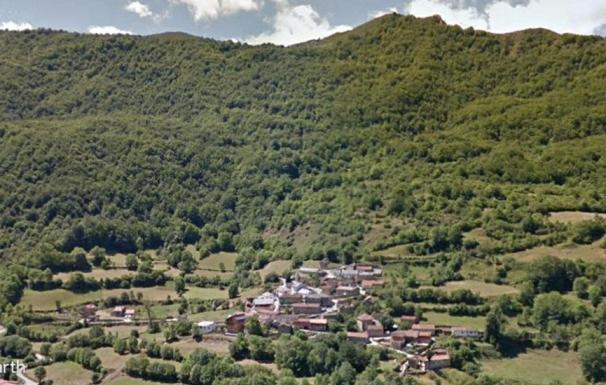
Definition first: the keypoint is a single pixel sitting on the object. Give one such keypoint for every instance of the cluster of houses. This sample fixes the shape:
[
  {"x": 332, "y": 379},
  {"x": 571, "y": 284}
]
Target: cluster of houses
[
  {"x": 90, "y": 313},
  {"x": 313, "y": 297}
]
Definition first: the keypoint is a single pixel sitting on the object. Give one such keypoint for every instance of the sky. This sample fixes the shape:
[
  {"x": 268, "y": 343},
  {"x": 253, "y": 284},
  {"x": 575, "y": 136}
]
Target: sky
[{"x": 287, "y": 22}]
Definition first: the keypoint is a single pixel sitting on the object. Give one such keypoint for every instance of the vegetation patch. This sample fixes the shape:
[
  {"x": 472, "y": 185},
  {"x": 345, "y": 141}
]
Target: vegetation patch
[{"x": 538, "y": 367}]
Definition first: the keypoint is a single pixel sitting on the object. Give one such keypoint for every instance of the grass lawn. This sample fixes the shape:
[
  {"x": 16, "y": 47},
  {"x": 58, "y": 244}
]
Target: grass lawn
[
  {"x": 65, "y": 373},
  {"x": 573, "y": 216},
  {"x": 213, "y": 261},
  {"x": 538, "y": 367},
  {"x": 205, "y": 293},
  {"x": 482, "y": 288},
  {"x": 278, "y": 267},
  {"x": 446, "y": 319}
]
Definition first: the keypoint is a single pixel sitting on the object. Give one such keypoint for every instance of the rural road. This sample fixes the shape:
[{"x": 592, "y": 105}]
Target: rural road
[{"x": 25, "y": 380}]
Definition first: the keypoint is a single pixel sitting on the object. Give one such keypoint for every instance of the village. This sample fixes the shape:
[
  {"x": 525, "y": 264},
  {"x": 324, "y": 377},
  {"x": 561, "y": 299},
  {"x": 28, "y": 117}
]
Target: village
[{"x": 308, "y": 301}]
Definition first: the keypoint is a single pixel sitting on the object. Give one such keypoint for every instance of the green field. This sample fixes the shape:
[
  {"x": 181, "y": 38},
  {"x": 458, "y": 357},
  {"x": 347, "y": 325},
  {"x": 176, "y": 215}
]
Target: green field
[
  {"x": 205, "y": 293},
  {"x": 482, "y": 288},
  {"x": 215, "y": 315},
  {"x": 45, "y": 300},
  {"x": 437, "y": 318},
  {"x": 66, "y": 373},
  {"x": 277, "y": 267},
  {"x": 592, "y": 252},
  {"x": 213, "y": 261},
  {"x": 538, "y": 367}
]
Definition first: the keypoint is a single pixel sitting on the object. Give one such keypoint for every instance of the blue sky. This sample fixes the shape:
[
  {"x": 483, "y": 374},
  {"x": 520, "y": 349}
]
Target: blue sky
[{"x": 292, "y": 21}]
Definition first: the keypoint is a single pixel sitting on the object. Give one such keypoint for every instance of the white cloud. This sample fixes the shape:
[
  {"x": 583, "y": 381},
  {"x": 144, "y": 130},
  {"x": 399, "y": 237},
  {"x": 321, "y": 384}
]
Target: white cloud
[
  {"x": 212, "y": 9},
  {"x": 502, "y": 16},
  {"x": 139, "y": 8},
  {"x": 383, "y": 12},
  {"x": 15, "y": 26},
  {"x": 297, "y": 24},
  {"x": 107, "y": 30},
  {"x": 465, "y": 17}
]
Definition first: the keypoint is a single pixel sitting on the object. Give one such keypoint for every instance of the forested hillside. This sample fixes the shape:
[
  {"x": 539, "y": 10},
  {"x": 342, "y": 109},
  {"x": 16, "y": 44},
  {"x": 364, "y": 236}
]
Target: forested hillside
[{"x": 133, "y": 143}]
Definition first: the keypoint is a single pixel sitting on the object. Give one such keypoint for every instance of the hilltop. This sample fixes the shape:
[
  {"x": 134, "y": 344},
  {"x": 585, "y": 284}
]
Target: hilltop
[{"x": 134, "y": 142}]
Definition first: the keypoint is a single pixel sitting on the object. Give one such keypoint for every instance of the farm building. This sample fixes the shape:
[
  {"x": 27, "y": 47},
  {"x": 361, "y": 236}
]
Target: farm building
[{"x": 207, "y": 327}]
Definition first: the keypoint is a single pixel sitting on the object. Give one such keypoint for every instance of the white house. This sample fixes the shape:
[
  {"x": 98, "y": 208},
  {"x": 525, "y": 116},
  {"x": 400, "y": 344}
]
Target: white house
[
  {"x": 464, "y": 332},
  {"x": 206, "y": 327}
]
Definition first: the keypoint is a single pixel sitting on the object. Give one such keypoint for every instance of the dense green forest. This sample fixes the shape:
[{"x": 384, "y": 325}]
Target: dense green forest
[
  {"x": 132, "y": 143},
  {"x": 444, "y": 155}
]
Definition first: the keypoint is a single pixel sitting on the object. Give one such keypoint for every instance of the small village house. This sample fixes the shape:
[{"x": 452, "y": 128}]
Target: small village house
[
  {"x": 370, "y": 284},
  {"x": 312, "y": 324},
  {"x": 89, "y": 311},
  {"x": 321, "y": 298},
  {"x": 400, "y": 338},
  {"x": 289, "y": 299},
  {"x": 118, "y": 311},
  {"x": 412, "y": 319},
  {"x": 266, "y": 300},
  {"x": 234, "y": 324},
  {"x": 358, "y": 337},
  {"x": 375, "y": 330},
  {"x": 465, "y": 332},
  {"x": 347, "y": 291},
  {"x": 129, "y": 313},
  {"x": 207, "y": 327},
  {"x": 363, "y": 321},
  {"x": 306, "y": 308},
  {"x": 425, "y": 328},
  {"x": 435, "y": 360},
  {"x": 438, "y": 359}
]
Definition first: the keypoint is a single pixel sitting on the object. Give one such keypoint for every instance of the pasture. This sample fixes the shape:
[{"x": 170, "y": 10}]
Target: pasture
[
  {"x": 65, "y": 373},
  {"x": 213, "y": 261},
  {"x": 482, "y": 288},
  {"x": 437, "y": 318},
  {"x": 538, "y": 367},
  {"x": 590, "y": 253}
]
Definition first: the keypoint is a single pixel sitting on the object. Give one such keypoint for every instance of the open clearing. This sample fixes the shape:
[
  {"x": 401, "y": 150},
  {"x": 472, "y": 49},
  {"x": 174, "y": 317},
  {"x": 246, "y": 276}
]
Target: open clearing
[
  {"x": 277, "y": 267},
  {"x": 45, "y": 300},
  {"x": 479, "y": 235},
  {"x": 482, "y": 288},
  {"x": 219, "y": 345},
  {"x": 590, "y": 253},
  {"x": 213, "y": 261},
  {"x": 216, "y": 315},
  {"x": 205, "y": 293},
  {"x": 538, "y": 367},
  {"x": 446, "y": 319},
  {"x": 65, "y": 373},
  {"x": 573, "y": 216},
  {"x": 111, "y": 359}
]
